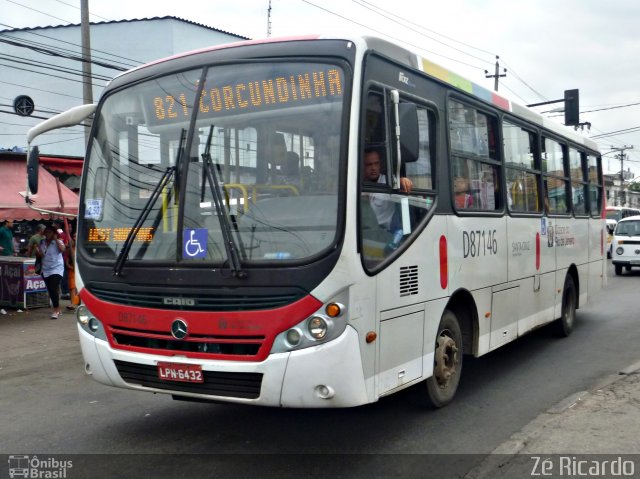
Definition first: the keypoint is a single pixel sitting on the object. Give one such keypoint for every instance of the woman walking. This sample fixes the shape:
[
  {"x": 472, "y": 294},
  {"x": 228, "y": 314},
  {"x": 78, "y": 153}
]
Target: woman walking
[{"x": 51, "y": 249}]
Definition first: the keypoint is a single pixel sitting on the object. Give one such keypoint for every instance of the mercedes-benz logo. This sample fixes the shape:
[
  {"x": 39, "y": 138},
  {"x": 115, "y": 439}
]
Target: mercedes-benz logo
[{"x": 179, "y": 329}]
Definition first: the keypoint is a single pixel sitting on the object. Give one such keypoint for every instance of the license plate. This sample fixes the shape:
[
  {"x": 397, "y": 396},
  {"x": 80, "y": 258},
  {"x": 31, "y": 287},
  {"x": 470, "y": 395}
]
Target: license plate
[{"x": 186, "y": 373}]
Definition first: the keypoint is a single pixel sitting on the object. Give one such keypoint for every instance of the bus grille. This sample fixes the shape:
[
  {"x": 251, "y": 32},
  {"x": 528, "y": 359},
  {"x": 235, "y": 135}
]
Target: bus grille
[
  {"x": 195, "y": 343},
  {"x": 240, "y": 385},
  {"x": 194, "y": 301}
]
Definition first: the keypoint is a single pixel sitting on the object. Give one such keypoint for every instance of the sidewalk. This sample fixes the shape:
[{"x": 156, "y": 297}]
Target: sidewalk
[
  {"x": 37, "y": 313},
  {"x": 590, "y": 426}
]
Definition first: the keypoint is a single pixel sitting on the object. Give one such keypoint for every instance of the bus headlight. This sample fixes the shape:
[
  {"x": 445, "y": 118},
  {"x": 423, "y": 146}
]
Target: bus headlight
[
  {"x": 87, "y": 320},
  {"x": 82, "y": 315},
  {"x": 293, "y": 337},
  {"x": 317, "y": 326},
  {"x": 619, "y": 250},
  {"x": 324, "y": 325}
]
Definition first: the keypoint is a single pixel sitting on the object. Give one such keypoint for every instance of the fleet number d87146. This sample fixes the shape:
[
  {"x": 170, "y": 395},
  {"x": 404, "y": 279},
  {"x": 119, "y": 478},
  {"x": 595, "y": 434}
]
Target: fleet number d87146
[{"x": 477, "y": 243}]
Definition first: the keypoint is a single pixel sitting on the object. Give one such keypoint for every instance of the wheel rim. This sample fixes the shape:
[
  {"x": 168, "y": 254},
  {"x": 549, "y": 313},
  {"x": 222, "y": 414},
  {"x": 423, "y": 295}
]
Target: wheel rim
[{"x": 446, "y": 359}]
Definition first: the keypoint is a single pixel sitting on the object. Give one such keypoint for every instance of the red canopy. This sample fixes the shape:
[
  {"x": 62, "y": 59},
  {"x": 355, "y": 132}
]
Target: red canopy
[
  {"x": 70, "y": 166},
  {"x": 51, "y": 192}
]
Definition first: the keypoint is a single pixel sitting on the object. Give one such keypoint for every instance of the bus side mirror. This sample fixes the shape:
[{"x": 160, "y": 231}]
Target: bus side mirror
[
  {"x": 33, "y": 167},
  {"x": 409, "y": 149}
]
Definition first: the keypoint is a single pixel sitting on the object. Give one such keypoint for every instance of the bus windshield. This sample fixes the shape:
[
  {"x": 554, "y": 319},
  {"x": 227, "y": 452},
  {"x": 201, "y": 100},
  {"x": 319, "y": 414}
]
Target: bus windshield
[{"x": 264, "y": 136}]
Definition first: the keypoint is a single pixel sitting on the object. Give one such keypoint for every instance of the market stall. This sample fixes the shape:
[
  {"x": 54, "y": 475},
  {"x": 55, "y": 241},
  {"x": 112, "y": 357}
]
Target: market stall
[
  {"x": 52, "y": 194},
  {"x": 20, "y": 286}
]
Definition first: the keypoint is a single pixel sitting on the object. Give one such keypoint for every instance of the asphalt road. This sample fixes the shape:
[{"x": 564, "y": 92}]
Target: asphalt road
[{"x": 49, "y": 406}]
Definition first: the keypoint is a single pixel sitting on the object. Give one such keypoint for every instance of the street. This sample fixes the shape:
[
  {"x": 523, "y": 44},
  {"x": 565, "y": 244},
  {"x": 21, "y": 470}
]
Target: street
[{"x": 49, "y": 406}]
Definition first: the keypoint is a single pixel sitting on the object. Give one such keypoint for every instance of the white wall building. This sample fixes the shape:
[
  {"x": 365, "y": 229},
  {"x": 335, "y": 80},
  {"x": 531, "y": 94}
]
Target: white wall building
[{"x": 44, "y": 64}]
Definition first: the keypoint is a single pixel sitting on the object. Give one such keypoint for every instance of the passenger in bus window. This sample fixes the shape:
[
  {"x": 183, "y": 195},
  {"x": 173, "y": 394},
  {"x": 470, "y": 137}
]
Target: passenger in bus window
[
  {"x": 381, "y": 203},
  {"x": 461, "y": 188}
]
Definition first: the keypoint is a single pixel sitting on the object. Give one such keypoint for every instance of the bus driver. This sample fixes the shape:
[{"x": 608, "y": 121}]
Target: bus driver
[{"x": 380, "y": 203}]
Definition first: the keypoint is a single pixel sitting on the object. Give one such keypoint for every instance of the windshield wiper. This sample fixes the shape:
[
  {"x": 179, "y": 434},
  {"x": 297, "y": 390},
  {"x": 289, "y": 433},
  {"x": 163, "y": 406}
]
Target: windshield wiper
[
  {"x": 227, "y": 236},
  {"x": 144, "y": 213}
]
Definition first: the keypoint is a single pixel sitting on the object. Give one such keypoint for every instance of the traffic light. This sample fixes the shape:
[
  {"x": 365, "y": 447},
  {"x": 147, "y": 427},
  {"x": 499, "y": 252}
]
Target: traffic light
[{"x": 572, "y": 107}]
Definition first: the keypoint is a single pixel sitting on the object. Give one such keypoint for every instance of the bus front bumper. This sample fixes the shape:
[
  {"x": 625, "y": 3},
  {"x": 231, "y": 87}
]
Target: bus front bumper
[{"x": 324, "y": 376}]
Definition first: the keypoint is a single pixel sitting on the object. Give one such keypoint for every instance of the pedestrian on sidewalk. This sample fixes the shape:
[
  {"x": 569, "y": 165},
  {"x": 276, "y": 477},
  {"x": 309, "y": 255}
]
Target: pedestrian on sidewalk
[
  {"x": 34, "y": 241},
  {"x": 64, "y": 283},
  {"x": 6, "y": 238},
  {"x": 51, "y": 250}
]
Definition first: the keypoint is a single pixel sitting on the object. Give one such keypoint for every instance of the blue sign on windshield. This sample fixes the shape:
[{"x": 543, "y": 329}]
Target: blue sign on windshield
[{"x": 194, "y": 243}]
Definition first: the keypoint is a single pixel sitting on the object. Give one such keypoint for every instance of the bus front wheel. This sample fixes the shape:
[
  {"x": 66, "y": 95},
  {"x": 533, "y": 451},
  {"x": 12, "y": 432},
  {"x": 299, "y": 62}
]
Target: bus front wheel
[
  {"x": 564, "y": 325},
  {"x": 618, "y": 269},
  {"x": 447, "y": 363}
]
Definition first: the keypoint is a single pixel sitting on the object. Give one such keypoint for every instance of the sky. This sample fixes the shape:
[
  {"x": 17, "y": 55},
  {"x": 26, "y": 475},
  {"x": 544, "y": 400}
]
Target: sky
[{"x": 547, "y": 46}]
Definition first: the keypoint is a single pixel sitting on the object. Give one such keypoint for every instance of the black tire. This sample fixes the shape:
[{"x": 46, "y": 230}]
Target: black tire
[
  {"x": 627, "y": 268},
  {"x": 618, "y": 269},
  {"x": 447, "y": 363},
  {"x": 564, "y": 325}
]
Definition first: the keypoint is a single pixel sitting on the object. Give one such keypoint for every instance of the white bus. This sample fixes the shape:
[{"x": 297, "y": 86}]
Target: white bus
[{"x": 232, "y": 247}]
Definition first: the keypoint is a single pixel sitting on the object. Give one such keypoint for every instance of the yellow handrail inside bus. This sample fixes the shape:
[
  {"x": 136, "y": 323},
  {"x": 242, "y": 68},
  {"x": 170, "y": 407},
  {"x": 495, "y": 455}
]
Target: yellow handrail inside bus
[
  {"x": 254, "y": 192},
  {"x": 243, "y": 190},
  {"x": 165, "y": 208},
  {"x": 255, "y": 189}
]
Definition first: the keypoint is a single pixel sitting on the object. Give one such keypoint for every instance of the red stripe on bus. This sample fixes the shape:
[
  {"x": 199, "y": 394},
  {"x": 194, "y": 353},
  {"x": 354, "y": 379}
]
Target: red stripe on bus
[
  {"x": 444, "y": 266},
  {"x": 537, "y": 251}
]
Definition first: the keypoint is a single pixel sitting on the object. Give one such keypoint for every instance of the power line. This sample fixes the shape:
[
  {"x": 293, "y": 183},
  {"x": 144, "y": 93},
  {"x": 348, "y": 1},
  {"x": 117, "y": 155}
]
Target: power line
[
  {"x": 40, "y": 89},
  {"x": 611, "y": 133},
  {"x": 612, "y": 107},
  {"x": 78, "y": 8},
  {"x": 45, "y": 73},
  {"x": 30, "y": 116},
  {"x": 35, "y": 10},
  {"x": 49, "y": 51},
  {"x": 128, "y": 63},
  {"x": 392, "y": 37},
  {"x": 388, "y": 17},
  {"x": 513, "y": 72},
  {"x": 50, "y": 66},
  {"x": 429, "y": 30}
]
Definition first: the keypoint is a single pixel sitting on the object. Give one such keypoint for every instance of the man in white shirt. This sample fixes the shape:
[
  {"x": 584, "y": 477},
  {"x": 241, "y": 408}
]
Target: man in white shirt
[{"x": 381, "y": 203}]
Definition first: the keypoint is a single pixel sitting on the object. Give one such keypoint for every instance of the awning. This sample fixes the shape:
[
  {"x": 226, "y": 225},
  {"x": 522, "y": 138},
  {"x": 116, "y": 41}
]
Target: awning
[
  {"x": 51, "y": 193},
  {"x": 69, "y": 166}
]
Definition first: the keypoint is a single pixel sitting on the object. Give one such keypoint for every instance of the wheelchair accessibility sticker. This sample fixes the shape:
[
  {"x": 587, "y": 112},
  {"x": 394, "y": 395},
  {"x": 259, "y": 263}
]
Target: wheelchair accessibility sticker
[{"x": 194, "y": 243}]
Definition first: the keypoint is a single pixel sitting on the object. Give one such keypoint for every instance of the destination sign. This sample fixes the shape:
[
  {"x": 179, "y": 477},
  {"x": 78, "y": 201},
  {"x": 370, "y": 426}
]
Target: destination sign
[
  {"x": 246, "y": 88},
  {"x": 104, "y": 235}
]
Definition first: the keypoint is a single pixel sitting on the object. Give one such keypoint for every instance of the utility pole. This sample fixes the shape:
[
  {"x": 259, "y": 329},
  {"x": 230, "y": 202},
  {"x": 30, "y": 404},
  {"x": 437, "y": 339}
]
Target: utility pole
[
  {"x": 269, "y": 20},
  {"x": 87, "y": 87},
  {"x": 621, "y": 156},
  {"x": 497, "y": 73}
]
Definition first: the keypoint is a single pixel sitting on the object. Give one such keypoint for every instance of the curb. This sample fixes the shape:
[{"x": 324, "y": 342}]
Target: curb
[{"x": 501, "y": 457}]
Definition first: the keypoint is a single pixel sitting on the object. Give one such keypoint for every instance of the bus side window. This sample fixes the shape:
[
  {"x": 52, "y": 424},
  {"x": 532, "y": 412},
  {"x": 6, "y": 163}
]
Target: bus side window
[
  {"x": 554, "y": 177},
  {"x": 474, "y": 158},
  {"x": 522, "y": 169},
  {"x": 387, "y": 217}
]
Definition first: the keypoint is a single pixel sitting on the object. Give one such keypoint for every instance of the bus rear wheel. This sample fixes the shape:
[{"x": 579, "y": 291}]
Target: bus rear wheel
[
  {"x": 564, "y": 325},
  {"x": 447, "y": 363}
]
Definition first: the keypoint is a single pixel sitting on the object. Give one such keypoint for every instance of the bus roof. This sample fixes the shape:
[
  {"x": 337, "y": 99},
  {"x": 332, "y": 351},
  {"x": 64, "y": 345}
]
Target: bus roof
[{"x": 411, "y": 60}]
